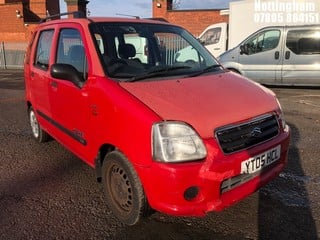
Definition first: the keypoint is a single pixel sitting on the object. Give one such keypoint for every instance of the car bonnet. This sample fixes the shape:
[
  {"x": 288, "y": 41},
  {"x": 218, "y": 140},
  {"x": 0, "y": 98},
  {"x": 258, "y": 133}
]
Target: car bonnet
[{"x": 205, "y": 102}]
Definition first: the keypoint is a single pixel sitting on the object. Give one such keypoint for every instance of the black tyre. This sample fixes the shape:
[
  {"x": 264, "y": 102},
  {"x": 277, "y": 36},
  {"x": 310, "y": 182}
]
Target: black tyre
[
  {"x": 123, "y": 190},
  {"x": 37, "y": 132}
]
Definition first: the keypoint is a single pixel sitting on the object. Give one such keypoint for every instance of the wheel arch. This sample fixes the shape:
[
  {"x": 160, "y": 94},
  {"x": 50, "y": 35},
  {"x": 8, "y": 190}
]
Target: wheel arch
[
  {"x": 234, "y": 70},
  {"x": 139, "y": 200},
  {"x": 28, "y": 105},
  {"x": 103, "y": 151}
]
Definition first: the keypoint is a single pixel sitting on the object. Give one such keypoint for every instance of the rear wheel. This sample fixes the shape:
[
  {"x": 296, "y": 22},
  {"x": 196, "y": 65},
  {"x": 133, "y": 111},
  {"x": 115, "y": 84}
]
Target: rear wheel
[
  {"x": 37, "y": 132},
  {"x": 123, "y": 190}
]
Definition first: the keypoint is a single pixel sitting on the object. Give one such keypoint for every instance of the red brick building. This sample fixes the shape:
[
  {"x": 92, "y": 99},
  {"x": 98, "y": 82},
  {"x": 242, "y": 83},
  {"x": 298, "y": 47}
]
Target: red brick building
[
  {"x": 20, "y": 17},
  {"x": 194, "y": 21}
]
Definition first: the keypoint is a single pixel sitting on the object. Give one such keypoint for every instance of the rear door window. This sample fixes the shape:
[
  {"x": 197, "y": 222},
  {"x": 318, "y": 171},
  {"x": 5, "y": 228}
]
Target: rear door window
[
  {"x": 43, "y": 49},
  {"x": 304, "y": 42}
]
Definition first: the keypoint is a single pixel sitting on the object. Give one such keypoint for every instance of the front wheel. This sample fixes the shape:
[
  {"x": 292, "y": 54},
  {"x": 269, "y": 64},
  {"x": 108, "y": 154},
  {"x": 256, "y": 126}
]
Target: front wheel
[
  {"x": 123, "y": 190},
  {"x": 37, "y": 132}
]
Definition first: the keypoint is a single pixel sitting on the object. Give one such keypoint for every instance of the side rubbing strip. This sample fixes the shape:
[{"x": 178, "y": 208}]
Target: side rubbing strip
[{"x": 63, "y": 129}]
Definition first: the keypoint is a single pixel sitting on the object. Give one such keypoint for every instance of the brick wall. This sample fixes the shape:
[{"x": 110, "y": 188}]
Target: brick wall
[
  {"x": 19, "y": 29},
  {"x": 76, "y": 5},
  {"x": 195, "y": 21},
  {"x": 12, "y": 28},
  {"x": 53, "y": 6},
  {"x": 40, "y": 7}
]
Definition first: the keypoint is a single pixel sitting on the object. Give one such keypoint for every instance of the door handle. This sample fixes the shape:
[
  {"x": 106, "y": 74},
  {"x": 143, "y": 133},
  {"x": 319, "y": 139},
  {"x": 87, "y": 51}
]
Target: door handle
[
  {"x": 32, "y": 74},
  {"x": 287, "y": 55},
  {"x": 277, "y": 55}
]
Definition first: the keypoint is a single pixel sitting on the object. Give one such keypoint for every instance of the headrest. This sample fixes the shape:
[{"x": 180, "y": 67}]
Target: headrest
[{"x": 126, "y": 51}]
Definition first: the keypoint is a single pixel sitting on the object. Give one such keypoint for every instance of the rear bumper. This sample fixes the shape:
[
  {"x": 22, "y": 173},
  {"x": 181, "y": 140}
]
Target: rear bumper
[{"x": 193, "y": 189}]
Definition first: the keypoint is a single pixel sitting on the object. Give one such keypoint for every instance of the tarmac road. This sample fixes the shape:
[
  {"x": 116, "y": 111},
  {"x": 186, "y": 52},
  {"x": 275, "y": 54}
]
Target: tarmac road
[{"x": 48, "y": 193}]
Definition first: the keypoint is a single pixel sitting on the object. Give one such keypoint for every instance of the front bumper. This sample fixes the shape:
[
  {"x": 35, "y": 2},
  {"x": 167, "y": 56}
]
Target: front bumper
[{"x": 193, "y": 189}]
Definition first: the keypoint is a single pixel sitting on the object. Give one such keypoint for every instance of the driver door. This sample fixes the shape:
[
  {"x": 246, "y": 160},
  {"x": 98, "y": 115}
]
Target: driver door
[{"x": 262, "y": 57}]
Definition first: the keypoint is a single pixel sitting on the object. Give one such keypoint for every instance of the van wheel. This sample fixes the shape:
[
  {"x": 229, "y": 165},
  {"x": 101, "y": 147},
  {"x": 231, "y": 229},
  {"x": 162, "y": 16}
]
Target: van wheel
[
  {"x": 37, "y": 132},
  {"x": 123, "y": 190}
]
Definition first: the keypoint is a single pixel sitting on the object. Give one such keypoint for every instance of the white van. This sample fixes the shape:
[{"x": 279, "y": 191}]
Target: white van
[
  {"x": 284, "y": 55},
  {"x": 214, "y": 38}
]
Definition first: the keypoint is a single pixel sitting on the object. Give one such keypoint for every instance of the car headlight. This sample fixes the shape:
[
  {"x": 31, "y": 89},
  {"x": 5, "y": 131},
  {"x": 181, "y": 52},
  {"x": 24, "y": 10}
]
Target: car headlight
[
  {"x": 176, "y": 142},
  {"x": 282, "y": 121},
  {"x": 281, "y": 116}
]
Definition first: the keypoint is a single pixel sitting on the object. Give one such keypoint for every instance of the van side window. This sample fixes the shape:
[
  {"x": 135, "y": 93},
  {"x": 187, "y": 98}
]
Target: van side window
[
  {"x": 304, "y": 42},
  {"x": 211, "y": 36},
  {"x": 71, "y": 50},
  {"x": 43, "y": 49},
  {"x": 262, "y": 42}
]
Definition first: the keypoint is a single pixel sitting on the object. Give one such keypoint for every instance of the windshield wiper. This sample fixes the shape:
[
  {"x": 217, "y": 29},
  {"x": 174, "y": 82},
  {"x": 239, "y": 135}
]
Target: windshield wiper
[
  {"x": 156, "y": 73},
  {"x": 205, "y": 70}
]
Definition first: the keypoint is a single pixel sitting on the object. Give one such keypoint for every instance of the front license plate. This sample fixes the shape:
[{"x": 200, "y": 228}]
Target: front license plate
[{"x": 261, "y": 161}]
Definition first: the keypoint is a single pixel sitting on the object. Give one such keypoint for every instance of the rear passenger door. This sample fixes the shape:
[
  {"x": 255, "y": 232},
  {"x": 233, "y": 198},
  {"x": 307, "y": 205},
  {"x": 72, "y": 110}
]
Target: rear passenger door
[
  {"x": 70, "y": 102},
  {"x": 301, "y": 63},
  {"x": 39, "y": 76}
]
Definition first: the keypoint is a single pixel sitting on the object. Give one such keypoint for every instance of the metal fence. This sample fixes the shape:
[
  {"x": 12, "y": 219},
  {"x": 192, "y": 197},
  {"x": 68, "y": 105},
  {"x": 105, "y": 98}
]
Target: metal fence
[
  {"x": 170, "y": 45},
  {"x": 12, "y": 55}
]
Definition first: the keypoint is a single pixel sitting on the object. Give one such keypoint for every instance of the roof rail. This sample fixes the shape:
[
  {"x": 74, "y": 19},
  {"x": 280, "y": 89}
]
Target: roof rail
[
  {"x": 158, "y": 19},
  {"x": 76, "y": 14},
  {"x": 126, "y": 15}
]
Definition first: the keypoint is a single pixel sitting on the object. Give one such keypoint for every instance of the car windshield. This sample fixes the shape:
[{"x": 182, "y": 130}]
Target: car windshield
[{"x": 145, "y": 51}]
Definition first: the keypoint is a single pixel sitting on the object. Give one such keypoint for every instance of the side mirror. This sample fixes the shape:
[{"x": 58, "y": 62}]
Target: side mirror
[
  {"x": 67, "y": 72},
  {"x": 244, "y": 49}
]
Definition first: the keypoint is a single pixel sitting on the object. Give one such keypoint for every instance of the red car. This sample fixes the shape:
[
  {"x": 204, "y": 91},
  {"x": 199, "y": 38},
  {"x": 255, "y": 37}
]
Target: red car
[{"x": 183, "y": 137}]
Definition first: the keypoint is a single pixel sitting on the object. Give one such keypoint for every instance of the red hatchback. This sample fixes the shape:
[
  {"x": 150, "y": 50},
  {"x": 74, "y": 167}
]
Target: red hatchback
[{"x": 165, "y": 130}]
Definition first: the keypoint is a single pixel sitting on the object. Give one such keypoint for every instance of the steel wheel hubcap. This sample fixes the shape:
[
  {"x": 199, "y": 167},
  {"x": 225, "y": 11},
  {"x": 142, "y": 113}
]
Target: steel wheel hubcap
[
  {"x": 120, "y": 188},
  {"x": 34, "y": 124}
]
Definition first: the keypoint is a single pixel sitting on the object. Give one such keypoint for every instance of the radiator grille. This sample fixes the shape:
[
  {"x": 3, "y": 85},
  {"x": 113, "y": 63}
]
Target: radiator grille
[{"x": 238, "y": 137}]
